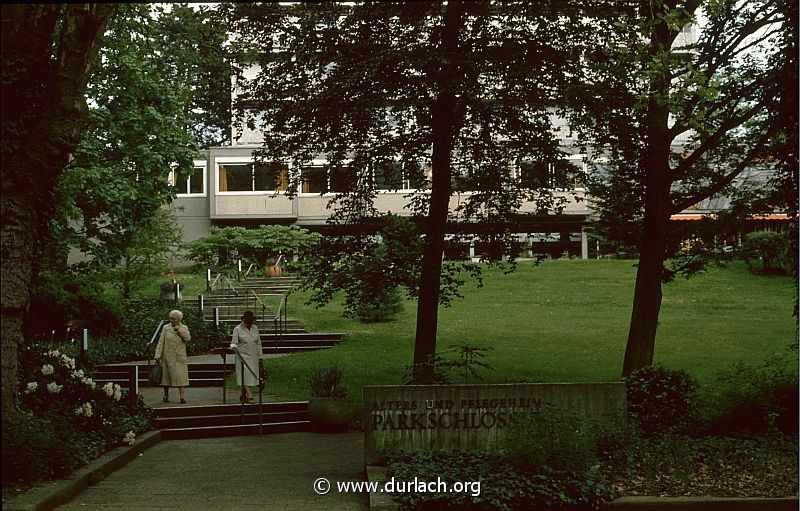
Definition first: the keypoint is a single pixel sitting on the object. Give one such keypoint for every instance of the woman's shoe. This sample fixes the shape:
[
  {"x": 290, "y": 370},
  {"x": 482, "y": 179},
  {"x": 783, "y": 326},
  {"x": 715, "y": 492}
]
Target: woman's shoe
[
  {"x": 183, "y": 401},
  {"x": 166, "y": 399}
]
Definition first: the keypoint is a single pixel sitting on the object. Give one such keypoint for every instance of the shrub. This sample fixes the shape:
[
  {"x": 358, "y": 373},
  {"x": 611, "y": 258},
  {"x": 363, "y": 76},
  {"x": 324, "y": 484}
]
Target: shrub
[
  {"x": 379, "y": 305},
  {"x": 502, "y": 485},
  {"x": 66, "y": 419},
  {"x": 466, "y": 364},
  {"x": 367, "y": 270},
  {"x": 327, "y": 382},
  {"x": 224, "y": 244},
  {"x": 770, "y": 248},
  {"x": 71, "y": 301},
  {"x": 661, "y": 400},
  {"x": 129, "y": 342},
  {"x": 755, "y": 399},
  {"x": 37, "y": 448},
  {"x": 550, "y": 438}
]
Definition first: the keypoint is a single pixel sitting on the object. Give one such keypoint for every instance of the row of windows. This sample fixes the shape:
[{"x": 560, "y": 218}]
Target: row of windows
[{"x": 252, "y": 177}]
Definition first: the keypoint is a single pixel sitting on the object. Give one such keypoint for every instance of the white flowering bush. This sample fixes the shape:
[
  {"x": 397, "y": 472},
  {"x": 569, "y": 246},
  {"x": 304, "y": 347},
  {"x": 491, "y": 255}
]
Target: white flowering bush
[{"x": 75, "y": 419}]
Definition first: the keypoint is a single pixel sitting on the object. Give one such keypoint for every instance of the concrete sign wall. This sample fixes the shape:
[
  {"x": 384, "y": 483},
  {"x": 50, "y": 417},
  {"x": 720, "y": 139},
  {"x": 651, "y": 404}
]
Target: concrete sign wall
[{"x": 415, "y": 417}]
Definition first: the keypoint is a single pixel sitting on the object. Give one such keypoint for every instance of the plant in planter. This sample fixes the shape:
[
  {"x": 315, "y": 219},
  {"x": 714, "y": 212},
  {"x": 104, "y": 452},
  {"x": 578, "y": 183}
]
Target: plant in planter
[
  {"x": 169, "y": 288},
  {"x": 330, "y": 408}
]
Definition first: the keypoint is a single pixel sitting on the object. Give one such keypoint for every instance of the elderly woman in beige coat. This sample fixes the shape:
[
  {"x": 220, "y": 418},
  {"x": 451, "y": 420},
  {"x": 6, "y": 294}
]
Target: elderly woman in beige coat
[
  {"x": 172, "y": 348},
  {"x": 247, "y": 341}
]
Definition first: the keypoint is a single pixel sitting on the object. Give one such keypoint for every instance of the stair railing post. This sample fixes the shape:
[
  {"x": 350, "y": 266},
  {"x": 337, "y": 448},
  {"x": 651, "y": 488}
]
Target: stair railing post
[
  {"x": 133, "y": 382},
  {"x": 84, "y": 346},
  {"x": 224, "y": 354},
  {"x": 200, "y": 305},
  {"x": 275, "y": 335},
  {"x": 239, "y": 271},
  {"x": 242, "y": 396},
  {"x": 215, "y": 320},
  {"x": 208, "y": 279}
]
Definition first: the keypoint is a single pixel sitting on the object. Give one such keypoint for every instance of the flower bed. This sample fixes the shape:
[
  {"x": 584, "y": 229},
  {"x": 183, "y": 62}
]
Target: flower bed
[{"x": 65, "y": 419}]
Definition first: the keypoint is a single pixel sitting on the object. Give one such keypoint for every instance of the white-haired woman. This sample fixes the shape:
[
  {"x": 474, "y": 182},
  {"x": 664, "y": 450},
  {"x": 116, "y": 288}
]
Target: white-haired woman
[{"x": 172, "y": 348}]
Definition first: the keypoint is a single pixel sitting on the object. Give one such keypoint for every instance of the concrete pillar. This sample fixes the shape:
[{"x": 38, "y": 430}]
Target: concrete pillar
[{"x": 584, "y": 244}]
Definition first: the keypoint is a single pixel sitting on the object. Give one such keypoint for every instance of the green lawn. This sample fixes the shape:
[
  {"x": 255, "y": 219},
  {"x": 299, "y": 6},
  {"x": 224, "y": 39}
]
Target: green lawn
[
  {"x": 561, "y": 321},
  {"x": 193, "y": 283}
]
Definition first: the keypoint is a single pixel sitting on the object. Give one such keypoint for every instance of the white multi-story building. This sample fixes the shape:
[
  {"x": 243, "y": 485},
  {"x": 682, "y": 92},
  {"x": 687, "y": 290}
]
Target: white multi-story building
[{"x": 227, "y": 188}]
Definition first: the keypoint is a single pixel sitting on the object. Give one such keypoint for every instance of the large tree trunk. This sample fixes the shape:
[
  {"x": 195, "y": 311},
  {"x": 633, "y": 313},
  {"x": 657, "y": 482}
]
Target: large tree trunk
[
  {"x": 443, "y": 117},
  {"x": 640, "y": 348},
  {"x": 428, "y": 303},
  {"x": 43, "y": 114}
]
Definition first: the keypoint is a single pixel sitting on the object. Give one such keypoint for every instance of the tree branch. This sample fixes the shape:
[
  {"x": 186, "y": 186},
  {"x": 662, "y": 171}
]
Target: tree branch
[
  {"x": 707, "y": 144},
  {"x": 728, "y": 178}
]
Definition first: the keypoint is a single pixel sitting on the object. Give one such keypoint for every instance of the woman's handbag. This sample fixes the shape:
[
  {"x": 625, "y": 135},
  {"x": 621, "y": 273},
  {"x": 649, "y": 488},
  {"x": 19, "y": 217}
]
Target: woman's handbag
[{"x": 154, "y": 376}]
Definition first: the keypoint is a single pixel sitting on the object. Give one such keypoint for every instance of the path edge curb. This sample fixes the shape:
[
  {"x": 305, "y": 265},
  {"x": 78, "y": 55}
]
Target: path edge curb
[
  {"x": 703, "y": 504},
  {"x": 379, "y": 501},
  {"x": 53, "y": 494}
]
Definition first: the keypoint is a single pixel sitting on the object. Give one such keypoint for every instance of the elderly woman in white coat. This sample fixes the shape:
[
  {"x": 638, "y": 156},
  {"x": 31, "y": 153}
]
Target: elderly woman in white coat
[
  {"x": 247, "y": 340},
  {"x": 172, "y": 349}
]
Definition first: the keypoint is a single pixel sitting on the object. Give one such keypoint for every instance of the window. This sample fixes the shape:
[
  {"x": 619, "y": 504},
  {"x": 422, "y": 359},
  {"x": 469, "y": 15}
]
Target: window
[
  {"x": 388, "y": 177},
  {"x": 397, "y": 176},
  {"x": 567, "y": 173},
  {"x": 190, "y": 182},
  {"x": 534, "y": 174},
  {"x": 272, "y": 177},
  {"x": 343, "y": 179},
  {"x": 313, "y": 179},
  {"x": 236, "y": 177},
  {"x": 251, "y": 177}
]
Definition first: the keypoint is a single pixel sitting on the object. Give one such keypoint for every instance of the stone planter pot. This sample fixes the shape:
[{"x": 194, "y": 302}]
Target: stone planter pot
[
  {"x": 168, "y": 292},
  {"x": 330, "y": 414}
]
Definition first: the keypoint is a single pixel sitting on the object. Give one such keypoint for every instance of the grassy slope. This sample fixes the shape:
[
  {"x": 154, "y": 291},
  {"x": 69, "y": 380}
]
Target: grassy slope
[{"x": 561, "y": 321}]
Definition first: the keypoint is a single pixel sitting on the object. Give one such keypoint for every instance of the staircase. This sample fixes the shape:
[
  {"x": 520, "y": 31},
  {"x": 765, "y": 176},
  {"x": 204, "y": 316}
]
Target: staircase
[
  {"x": 188, "y": 422},
  {"x": 279, "y": 335},
  {"x": 262, "y": 295}
]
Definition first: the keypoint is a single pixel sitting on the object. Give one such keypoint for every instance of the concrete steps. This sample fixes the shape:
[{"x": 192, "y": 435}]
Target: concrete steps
[
  {"x": 292, "y": 342},
  {"x": 185, "y": 422}
]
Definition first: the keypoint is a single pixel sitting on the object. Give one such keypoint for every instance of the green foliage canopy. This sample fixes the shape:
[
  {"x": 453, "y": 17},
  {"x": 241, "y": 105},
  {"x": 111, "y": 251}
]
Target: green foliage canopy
[{"x": 224, "y": 244}]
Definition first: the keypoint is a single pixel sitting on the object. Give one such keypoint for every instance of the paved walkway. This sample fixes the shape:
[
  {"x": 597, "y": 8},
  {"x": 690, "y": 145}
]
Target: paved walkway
[
  {"x": 271, "y": 472},
  {"x": 200, "y": 395}
]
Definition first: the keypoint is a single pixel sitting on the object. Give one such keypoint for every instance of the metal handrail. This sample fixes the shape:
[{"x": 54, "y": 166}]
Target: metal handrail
[
  {"x": 147, "y": 347},
  {"x": 158, "y": 330},
  {"x": 258, "y": 298},
  {"x": 230, "y": 284},
  {"x": 214, "y": 282},
  {"x": 252, "y": 265},
  {"x": 260, "y": 392},
  {"x": 281, "y": 310},
  {"x": 259, "y": 301}
]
